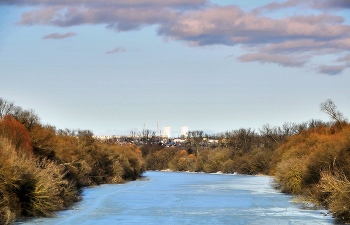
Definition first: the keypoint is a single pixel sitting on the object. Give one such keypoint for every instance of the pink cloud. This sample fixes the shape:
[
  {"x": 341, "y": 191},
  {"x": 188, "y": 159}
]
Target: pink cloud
[
  {"x": 283, "y": 60},
  {"x": 107, "y": 2},
  {"x": 327, "y": 4},
  {"x": 279, "y": 5},
  {"x": 122, "y": 19},
  {"x": 284, "y": 41},
  {"x": 59, "y": 36},
  {"x": 116, "y": 50},
  {"x": 332, "y": 70},
  {"x": 344, "y": 59}
]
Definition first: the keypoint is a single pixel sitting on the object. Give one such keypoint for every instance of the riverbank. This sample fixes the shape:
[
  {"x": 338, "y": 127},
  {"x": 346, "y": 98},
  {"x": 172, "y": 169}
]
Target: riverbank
[
  {"x": 187, "y": 198},
  {"x": 313, "y": 164},
  {"x": 42, "y": 169}
]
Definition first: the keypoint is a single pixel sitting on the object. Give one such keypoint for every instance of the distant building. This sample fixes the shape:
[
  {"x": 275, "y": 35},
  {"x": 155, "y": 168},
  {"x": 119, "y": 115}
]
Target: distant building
[
  {"x": 103, "y": 137},
  {"x": 184, "y": 131},
  {"x": 166, "y": 132}
]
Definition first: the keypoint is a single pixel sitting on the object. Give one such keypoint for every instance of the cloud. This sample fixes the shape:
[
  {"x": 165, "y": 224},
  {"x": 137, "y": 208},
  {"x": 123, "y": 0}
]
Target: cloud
[
  {"x": 331, "y": 4},
  {"x": 308, "y": 45},
  {"x": 344, "y": 59},
  {"x": 229, "y": 25},
  {"x": 289, "y": 41},
  {"x": 121, "y": 19},
  {"x": 318, "y": 4},
  {"x": 335, "y": 70},
  {"x": 59, "y": 36},
  {"x": 108, "y": 3},
  {"x": 116, "y": 50},
  {"x": 279, "y": 5},
  {"x": 323, "y": 18},
  {"x": 282, "y": 60},
  {"x": 332, "y": 70}
]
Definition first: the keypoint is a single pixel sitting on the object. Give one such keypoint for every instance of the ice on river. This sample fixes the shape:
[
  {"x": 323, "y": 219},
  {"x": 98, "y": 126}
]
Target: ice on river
[{"x": 187, "y": 198}]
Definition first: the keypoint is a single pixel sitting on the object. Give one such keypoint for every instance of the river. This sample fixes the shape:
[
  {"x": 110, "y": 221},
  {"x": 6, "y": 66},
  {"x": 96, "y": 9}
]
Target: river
[{"x": 187, "y": 198}]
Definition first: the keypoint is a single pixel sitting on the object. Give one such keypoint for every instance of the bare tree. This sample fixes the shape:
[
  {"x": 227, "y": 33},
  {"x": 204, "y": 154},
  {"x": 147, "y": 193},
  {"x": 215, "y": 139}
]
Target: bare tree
[
  {"x": 331, "y": 109},
  {"x": 6, "y": 108},
  {"x": 28, "y": 118},
  {"x": 196, "y": 139},
  {"x": 147, "y": 134}
]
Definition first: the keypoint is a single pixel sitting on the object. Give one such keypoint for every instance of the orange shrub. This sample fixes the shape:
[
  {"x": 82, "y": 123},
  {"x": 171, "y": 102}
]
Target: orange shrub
[{"x": 15, "y": 131}]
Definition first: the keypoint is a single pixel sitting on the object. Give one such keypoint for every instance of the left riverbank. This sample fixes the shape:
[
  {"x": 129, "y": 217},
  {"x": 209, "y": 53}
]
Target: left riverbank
[{"x": 43, "y": 169}]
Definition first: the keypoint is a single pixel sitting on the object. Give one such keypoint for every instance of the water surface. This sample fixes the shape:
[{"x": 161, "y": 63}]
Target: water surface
[{"x": 187, "y": 198}]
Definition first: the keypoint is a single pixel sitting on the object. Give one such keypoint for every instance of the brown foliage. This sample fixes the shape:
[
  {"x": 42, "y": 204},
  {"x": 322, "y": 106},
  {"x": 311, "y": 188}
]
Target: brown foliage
[
  {"x": 316, "y": 163},
  {"x": 44, "y": 140},
  {"x": 160, "y": 160},
  {"x": 16, "y": 133},
  {"x": 64, "y": 161},
  {"x": 337, "y": 188},
  {"x": 30, "y": 187},
  {"x": 182, "y": 161}
]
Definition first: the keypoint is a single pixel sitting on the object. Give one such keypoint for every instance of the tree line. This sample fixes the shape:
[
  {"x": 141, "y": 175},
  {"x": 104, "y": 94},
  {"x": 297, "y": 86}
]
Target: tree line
[
  {"x": 309, "y": 159},
  {"x": 42, "y": 169}
]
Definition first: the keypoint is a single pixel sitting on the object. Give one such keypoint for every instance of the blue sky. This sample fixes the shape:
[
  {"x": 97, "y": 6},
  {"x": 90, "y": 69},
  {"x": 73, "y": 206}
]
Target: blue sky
[{"x": 212, "y": 66}]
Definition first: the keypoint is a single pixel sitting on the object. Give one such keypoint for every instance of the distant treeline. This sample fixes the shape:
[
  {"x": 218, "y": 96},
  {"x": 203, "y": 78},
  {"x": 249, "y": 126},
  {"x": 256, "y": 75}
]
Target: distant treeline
[
  {"x": 43, "y": 169},
  {"x": 310, "y": 159}
]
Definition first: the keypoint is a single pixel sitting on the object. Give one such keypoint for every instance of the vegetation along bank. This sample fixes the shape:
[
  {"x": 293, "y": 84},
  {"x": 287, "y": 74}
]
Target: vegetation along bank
[
  {"x": 310, "y": 159},
  {"x": 43, "y": 169}
]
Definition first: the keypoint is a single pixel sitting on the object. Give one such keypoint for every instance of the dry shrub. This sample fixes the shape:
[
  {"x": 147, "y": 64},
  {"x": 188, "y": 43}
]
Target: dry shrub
[
  {"x": 336, "y": 186},
  {"x": 16, "y": 133},
  {"x": 90, "y": 163},
  {"x": 202, "y": 159},
  {"x": 44, "y": 140},
  {"x": 130, "y": 158},
  {"x": 183, "y": 161},
  {"x": 302, "y": 159},
  {"x": 79, "y": 172},
  {"x": 227, "y": 166},
  {"x": 118, "y": 163},
  {"x": 323, "y": 156},
  {"x": 242, "y": 164},
  {"x": 7, "y": 214},
  {"x": 289, "y": 175},
  {"x": 50, "y": 192},
  {"x": 30, "y": 187},
  {"x": 117, "y": 173},
  {"x": 255, "y": 162},
  {"x": 159, "y": 160},
  {"x": 215, "y": 159}
]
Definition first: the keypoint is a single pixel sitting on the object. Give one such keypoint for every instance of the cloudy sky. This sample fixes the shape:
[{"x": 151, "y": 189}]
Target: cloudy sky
[{"x": 113, "y": 65}]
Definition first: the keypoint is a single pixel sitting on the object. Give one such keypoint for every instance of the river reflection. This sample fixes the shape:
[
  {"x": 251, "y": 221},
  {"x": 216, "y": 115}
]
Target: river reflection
[{"x": 187, "y": 198}]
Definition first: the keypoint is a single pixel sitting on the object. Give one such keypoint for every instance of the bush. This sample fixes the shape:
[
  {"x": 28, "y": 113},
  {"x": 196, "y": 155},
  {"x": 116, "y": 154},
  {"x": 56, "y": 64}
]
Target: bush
[
  {"x": 289, "y": 175},
  {"x": 160, "y": 160},
  {"x": 227, "y": 166},
  {"x": 30, "y": 187},
  {"x": 336, "y": 186},
  {"x": 16, "y": 133},
  {"x": 182, "y": 161}
]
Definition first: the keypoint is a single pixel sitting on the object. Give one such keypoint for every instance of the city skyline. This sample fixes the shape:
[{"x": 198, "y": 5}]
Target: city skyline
[{"x": 213, "y": 65}]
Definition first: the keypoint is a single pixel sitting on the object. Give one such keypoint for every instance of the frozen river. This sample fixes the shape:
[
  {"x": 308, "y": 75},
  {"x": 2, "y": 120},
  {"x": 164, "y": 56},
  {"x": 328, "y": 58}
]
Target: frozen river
[{"x": 187, "y": 198}]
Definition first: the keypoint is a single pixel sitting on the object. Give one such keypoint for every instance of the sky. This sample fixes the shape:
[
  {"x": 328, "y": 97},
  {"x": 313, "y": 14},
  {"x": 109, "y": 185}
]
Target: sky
[{"x": 112, "y": 66}]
